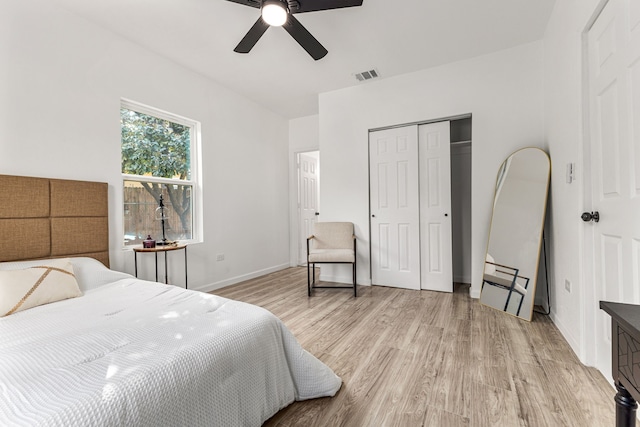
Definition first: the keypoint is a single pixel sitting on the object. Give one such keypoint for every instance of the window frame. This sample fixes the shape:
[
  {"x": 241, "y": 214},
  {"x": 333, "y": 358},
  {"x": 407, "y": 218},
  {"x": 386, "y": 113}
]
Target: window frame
[{"x": 195, "y": 180}]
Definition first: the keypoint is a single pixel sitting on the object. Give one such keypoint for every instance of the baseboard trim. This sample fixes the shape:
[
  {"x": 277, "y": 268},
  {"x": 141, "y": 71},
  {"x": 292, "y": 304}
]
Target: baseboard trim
[
  {"x": 462, "y": 279},
  {"x": 233, "y": 280},
  {"x": 573, "y": 343}
]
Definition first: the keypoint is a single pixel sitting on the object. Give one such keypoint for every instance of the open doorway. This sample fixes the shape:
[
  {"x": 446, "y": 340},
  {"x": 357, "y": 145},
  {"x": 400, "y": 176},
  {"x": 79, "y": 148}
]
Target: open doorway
[{"x": 308, "y": 203}]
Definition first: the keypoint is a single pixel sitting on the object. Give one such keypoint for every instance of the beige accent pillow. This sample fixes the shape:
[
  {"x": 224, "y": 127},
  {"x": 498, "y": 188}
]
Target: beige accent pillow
[{"x": 52, "y": 281}]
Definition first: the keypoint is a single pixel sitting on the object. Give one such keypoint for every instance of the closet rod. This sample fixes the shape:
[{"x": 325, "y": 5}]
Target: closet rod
[{"x": 424, "y": 122}]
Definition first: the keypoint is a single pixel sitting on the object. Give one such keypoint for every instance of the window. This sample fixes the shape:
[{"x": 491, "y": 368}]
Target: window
[{"x": 158, "y": 160}]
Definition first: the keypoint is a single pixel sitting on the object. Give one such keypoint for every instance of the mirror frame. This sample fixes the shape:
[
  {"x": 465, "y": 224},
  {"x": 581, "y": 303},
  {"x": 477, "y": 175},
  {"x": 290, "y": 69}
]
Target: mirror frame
[{"x": 533, "y": 280}]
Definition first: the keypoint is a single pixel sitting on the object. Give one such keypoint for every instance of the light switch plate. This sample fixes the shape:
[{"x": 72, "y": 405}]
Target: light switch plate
[{"x": 570, "y": 172}]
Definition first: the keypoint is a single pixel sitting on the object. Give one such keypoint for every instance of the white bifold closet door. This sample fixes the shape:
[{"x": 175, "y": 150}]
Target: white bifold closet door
[
  {"x": 436, "y": 264},
  {"x": 307, "y": 201},
  {"x": 410, "y": 202},
  {"x": 394, "y": 204}
]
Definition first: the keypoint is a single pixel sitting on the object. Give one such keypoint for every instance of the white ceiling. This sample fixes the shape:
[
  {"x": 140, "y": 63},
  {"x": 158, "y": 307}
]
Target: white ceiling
[{"x": 393, "y": 36}]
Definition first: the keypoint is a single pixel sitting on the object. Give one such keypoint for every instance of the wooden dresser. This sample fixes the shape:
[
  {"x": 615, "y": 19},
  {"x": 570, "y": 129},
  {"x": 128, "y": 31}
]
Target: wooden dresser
[{"x": 625, "y": 359}]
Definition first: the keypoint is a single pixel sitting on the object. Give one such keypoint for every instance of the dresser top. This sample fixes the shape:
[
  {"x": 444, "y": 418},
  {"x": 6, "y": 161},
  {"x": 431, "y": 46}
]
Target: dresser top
[{"x": 628, "y": 315}]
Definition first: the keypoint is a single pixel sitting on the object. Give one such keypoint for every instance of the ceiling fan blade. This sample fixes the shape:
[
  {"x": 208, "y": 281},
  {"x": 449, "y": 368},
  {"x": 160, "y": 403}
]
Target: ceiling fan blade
[
  {"x": 251, "y": 38},
  {"x": 304, "y": 38},
  {"x": 252, "y": 3},
  {"x": 301, "y": 6}
]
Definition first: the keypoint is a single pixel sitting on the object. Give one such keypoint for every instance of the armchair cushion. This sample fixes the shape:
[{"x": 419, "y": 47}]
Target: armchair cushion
[
  {"x": 331, "y": 255},
  {"x": 505, "y": 283}
]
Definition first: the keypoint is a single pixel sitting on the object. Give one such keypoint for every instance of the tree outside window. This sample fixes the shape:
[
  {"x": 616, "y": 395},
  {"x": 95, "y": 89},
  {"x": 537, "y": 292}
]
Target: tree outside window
[{"x": 156, "y": 160}]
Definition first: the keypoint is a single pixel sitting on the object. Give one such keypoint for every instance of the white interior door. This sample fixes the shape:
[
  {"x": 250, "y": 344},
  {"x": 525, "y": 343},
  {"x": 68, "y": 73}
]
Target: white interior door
[
  {"x": 434, "y": 149},
  {"x": 614, "y": 97},
  {"x": 395, "y": 220},
  {"x": 307, "y": 200}
]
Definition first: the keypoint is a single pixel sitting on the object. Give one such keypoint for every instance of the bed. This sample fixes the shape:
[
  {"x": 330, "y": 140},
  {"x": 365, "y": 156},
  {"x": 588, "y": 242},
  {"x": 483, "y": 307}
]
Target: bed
[{"x": 137, "y": 353}]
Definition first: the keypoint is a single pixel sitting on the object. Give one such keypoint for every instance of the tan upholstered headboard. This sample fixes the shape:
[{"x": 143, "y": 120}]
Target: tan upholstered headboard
[{"x": 53, "y": 218}]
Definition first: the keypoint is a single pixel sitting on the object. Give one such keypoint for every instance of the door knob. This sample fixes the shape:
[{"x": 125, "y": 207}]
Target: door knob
[
  {"x": 373, "y": 216},
  {"x": 317, "y": 213},
  {"x": 591, "y": 216}
]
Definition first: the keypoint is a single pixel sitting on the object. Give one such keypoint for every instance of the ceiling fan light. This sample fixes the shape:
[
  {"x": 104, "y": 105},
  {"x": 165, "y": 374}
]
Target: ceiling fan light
[{"x": 274, "y": 13}]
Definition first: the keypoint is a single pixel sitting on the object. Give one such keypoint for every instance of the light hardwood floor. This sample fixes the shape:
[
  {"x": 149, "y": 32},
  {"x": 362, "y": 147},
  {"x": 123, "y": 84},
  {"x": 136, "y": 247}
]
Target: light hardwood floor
[{"x": 419, "y": 358}]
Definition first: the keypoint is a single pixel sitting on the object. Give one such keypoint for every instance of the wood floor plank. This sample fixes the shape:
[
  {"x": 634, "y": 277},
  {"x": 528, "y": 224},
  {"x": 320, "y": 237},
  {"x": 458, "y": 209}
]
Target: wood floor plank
[
  {"x": 454, "y": 379},
  {"x": 537, "y": 405},
  {"x": 496, "y": 407},
  {"x": 419, "y": 358},
  {"x": 438, "y": 417},
  {"x": 391, "y": 400},
  {"x": 364, "y": 383},
  {"x": 489, "y": 351},
  {"x": 585, "y": 406}
]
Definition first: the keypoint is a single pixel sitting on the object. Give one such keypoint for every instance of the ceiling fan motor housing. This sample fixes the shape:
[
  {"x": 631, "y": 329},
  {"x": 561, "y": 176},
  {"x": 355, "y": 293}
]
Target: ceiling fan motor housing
[
  {"x": 283, "y": 3},
  {"x": 275, "y": 12},
  {"x": 283, "y": 16}
]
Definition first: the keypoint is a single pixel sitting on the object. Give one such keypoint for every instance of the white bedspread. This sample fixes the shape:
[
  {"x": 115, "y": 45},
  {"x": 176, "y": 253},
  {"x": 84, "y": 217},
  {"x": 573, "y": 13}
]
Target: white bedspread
[{"x": 136, "y": 353}]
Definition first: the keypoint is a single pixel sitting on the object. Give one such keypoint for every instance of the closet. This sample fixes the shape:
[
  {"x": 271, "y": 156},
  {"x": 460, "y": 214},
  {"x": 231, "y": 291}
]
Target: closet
[
  {"x": 461, "y": 199},
  {"x": 420, "y": 216}
]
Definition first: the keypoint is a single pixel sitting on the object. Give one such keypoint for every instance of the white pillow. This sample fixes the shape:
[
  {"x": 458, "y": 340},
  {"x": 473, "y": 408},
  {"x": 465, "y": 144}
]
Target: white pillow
[
  {"x": 90, "y": 273},
  {"x": 41, "y": 284}
]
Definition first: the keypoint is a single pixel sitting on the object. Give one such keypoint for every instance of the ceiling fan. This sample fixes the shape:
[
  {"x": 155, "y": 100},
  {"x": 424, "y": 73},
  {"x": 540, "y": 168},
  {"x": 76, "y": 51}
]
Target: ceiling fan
[{"x": 280, "y": 13}]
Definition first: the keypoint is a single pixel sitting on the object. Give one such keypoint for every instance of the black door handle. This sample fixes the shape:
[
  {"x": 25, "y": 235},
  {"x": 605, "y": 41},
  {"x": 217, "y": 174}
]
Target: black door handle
[
  {"x": 591, "y": 216},
  {"x": 317, "y": 213},
  {"x": 373, "y": 216}
]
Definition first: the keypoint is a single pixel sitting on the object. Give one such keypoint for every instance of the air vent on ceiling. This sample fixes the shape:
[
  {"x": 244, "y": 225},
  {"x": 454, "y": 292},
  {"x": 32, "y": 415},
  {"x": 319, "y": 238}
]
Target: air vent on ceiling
[{"x": 367, "y": 75}]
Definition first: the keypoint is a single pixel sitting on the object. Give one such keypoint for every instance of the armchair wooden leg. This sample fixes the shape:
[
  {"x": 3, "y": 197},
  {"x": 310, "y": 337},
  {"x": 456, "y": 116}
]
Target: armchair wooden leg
[
  {"x": 355, "y": 291},
  {"x": 308, "y": 280},
  {"x": 506, "y": 304},
  {"x": 311, "y": 279},
  {"x": 520, "y": 306}
]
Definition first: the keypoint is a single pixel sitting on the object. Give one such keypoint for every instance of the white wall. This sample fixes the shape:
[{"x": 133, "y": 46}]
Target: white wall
[
  {"x": 503, "y": 92},
  {"x": 303, "y": 134},
  {"x": 61, "y": 82},
  {"x": 563, "y": 79}
]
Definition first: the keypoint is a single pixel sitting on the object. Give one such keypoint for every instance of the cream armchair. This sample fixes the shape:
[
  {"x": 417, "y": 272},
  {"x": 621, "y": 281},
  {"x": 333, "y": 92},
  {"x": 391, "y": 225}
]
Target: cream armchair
[{"x": 331, "y": 243}]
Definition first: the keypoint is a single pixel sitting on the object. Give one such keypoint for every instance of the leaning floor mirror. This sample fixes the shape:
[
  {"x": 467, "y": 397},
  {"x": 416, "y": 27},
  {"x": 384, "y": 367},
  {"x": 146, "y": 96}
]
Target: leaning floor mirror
[{"x": 515, "y": 238}]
